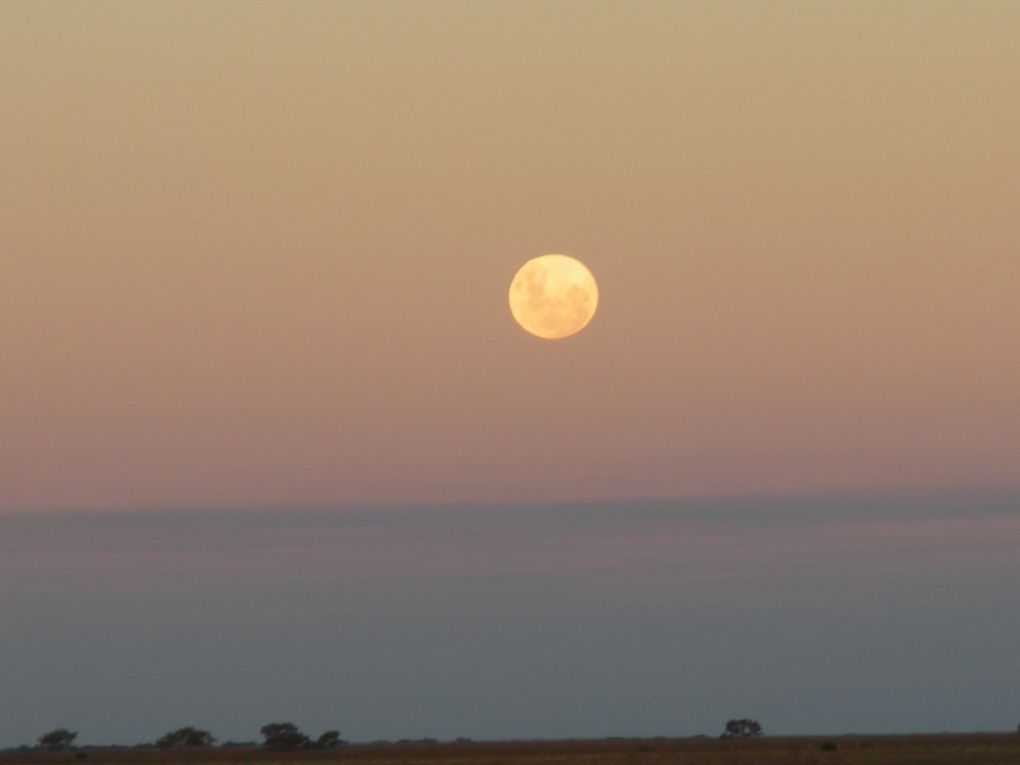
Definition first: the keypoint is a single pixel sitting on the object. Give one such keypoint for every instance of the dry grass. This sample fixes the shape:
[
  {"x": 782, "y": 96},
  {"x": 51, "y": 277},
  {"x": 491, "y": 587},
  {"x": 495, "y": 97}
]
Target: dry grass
[{"x": 970, "y": 749}]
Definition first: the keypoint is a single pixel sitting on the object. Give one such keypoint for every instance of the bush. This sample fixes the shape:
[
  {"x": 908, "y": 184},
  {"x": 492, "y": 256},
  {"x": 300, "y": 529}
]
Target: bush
[
  {"x": 186, "y": 737},
  {"x": 283, "y": 736},
  {"x": 329, "y": 740},
  {"x": 741, "y": 729},
  {"x": 61, "y": 738}
]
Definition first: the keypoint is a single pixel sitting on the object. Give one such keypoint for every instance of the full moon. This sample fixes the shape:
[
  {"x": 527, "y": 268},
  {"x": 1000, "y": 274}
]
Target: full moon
[{"x": 553, "y": 296}]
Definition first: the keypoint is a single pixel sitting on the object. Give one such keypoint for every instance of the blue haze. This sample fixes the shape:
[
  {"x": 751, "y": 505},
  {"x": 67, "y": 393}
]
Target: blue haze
[{"x": 825, "y": 615}]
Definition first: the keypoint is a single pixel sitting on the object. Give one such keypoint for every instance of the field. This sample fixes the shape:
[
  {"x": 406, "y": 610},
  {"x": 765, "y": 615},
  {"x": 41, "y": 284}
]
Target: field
[{"x": 945, "y": 749}]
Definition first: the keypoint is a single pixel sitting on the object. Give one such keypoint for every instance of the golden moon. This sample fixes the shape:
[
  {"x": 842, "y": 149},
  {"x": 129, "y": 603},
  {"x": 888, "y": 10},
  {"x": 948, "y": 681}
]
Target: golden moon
[{"x": 553, "y": 296}]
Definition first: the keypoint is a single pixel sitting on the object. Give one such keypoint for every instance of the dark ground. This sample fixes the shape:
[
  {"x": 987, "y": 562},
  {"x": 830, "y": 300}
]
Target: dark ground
[{"x": 968, "y": 749}]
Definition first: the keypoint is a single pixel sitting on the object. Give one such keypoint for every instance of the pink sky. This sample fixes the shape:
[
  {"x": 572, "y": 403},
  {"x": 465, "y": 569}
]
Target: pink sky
[{"x": 259, "y": 254}]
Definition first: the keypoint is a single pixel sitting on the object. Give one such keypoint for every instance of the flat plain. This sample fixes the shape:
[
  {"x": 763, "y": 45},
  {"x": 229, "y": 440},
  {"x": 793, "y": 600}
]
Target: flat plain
[{"x": 941, "y": 749}]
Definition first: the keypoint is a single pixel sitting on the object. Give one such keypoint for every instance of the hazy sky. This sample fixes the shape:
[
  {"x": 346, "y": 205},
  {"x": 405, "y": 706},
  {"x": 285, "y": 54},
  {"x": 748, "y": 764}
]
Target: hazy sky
[
  {"x": 256, "y": 255},
  {"x": 860, "y": 615}
]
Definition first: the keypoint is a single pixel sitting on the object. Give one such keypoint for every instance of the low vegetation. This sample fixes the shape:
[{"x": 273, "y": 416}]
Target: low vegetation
[
  {"x": 58, "y": 739},
  {"x": 185, "y": 738}
]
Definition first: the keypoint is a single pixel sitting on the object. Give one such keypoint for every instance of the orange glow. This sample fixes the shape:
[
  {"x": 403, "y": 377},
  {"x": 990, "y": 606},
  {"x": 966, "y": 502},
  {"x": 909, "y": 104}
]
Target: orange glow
[{"x": 258, "y": 253}]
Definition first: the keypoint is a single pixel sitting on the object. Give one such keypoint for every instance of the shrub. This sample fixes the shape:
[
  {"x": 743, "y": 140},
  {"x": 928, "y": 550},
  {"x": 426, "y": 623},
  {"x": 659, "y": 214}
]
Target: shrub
[
  {"x": 329, "y": 740},
  {"x": 741, "y": 728},
  {"x": 283, "y": 736},
  {"x": 61, "y": 738},
  {"x": 186, "y": 737}
]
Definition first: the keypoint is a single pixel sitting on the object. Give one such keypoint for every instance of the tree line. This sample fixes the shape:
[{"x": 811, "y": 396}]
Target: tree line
[
  {"x": 276, "y": 735},
  {"x": 286, "y": 735}
]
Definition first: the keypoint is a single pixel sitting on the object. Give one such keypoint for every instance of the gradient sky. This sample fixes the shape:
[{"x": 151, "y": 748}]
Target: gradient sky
[
  {"x": 256, "y": 256},
  {"x": 259, "y": 253}
]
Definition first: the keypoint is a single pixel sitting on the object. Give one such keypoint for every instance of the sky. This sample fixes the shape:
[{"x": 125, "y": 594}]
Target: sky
[
  {"x": 861, "y": 615},
  {"x": 254, "y": 262}
]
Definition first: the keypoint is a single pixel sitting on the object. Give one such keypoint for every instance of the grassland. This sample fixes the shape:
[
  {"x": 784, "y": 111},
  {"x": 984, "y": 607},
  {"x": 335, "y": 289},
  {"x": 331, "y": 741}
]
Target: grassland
[{"x": 946, "y": 749}]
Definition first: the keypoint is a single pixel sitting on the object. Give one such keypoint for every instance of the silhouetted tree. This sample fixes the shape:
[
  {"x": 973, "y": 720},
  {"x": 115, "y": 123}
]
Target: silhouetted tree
[
  {"x": 742, "y": 729},
  {"x": 329, "y": 740},
  {"x": 283, "y": 736},
  {"x": 188, "y": 736},
  {"x": 61, "y": 738}
]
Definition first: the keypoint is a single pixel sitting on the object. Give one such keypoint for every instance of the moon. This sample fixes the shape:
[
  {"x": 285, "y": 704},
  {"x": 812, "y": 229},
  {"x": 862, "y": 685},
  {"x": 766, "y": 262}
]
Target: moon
[{"x": 553, "y": 296}]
